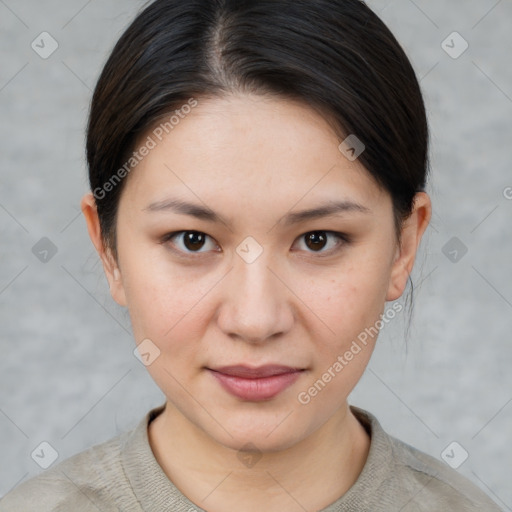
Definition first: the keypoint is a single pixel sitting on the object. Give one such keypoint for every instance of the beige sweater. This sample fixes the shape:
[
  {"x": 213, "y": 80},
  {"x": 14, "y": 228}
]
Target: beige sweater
[{"x": 122, "y": 474}]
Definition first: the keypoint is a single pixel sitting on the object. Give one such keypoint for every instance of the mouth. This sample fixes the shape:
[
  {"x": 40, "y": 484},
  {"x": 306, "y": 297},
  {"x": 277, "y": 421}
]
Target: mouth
[{"x": 255, "y": 384}]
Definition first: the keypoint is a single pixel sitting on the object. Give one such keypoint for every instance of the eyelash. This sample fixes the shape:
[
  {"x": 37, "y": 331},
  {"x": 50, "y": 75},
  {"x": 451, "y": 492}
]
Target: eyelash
[{"x": 342, "y": 240}]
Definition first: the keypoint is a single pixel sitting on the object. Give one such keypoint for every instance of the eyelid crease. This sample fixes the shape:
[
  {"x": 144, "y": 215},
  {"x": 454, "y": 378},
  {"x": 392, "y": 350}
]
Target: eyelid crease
[{"x": 342, "y": 237}]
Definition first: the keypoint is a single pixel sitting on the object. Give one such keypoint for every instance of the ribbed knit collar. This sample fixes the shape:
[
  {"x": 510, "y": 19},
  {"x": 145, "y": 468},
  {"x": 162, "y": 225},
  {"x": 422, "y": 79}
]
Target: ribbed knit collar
[{"x": 156, "y": 493}]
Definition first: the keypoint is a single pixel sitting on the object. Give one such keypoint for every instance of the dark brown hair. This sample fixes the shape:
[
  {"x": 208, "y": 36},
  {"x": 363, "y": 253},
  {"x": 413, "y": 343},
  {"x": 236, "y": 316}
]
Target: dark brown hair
[{"x": 337, "y": 56}]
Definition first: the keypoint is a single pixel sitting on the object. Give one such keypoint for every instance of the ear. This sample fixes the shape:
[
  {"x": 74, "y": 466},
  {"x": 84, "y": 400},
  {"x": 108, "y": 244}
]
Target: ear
[
  {"x": 112, "y": 272},
  {"x": 412, "y": 231}
]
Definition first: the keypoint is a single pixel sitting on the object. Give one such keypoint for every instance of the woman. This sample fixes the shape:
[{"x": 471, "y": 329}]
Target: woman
[{"x": 257, "y": 173}]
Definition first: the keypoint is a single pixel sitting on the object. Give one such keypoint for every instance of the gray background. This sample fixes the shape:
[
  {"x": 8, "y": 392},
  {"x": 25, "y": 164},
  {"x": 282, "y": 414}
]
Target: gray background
[{"x": 67, "y": 372}]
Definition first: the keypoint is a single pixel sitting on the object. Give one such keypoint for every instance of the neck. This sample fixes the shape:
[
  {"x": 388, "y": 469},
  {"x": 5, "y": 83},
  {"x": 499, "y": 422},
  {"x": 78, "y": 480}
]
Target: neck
[{"x": 309, "y": 475}]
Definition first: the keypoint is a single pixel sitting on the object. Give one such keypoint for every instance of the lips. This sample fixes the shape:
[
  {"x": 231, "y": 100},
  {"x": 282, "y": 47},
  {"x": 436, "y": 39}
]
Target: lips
[
  {"x": 247, "y": 372},
  {"x": 255, "y": 384}
]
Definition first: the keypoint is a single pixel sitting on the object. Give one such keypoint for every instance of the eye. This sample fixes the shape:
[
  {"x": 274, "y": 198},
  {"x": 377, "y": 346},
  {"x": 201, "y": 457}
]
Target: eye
[
  {"x": 190, "y": 241},
  {"x": 193, "y": 241},
  {"x": 318, "y": 240}
]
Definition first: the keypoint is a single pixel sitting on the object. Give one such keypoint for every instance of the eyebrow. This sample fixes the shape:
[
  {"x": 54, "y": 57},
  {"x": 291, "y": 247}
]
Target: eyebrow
[{"x": 204, "y": 213}]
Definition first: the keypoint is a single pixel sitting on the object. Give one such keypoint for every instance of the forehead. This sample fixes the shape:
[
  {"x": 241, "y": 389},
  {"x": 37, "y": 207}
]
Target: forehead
[{"x": 262, "y": 151}]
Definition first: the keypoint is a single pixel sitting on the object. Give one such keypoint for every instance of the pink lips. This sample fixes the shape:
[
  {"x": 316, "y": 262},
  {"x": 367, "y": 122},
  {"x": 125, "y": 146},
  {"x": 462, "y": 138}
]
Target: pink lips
[{"x": 256, "y": 384}]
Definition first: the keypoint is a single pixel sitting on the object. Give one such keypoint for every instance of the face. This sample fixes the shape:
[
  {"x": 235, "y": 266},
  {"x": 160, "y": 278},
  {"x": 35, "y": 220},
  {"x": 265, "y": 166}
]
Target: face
[{"x": 250, "y": 281}]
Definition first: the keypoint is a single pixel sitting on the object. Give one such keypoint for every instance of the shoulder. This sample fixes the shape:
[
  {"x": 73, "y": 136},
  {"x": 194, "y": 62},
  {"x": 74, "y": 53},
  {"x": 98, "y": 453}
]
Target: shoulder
[
  {"x": 87, "y": 481},
  {"x": 420, "y": 482},
  {"x": 438, "y": 484}
]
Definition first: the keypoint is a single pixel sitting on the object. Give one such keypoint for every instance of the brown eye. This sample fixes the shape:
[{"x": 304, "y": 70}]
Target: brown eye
[
  {"x": 316, "y": 241},
  {"x": 191, "y": 241}
]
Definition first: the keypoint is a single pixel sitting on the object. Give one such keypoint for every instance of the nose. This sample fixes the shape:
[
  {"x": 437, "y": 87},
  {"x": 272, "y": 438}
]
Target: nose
[{"x": 256, "y": 304}]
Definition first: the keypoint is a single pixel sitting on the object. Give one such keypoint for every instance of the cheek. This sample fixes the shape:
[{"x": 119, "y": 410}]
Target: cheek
[
  {"x": 163, "y": 300},
  {"x": 348, "y": 303},
  {"x": 167, "y": 309},
  {"x": 349, "y": 308}
]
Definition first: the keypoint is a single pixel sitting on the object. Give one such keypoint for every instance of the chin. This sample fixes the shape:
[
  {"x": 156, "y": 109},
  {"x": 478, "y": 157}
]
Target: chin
[{"x": 264, "y": 435}]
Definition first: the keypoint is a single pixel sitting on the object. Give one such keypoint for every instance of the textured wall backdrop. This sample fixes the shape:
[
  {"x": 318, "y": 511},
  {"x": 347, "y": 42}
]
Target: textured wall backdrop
[{"x": 68, "y": 375}]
